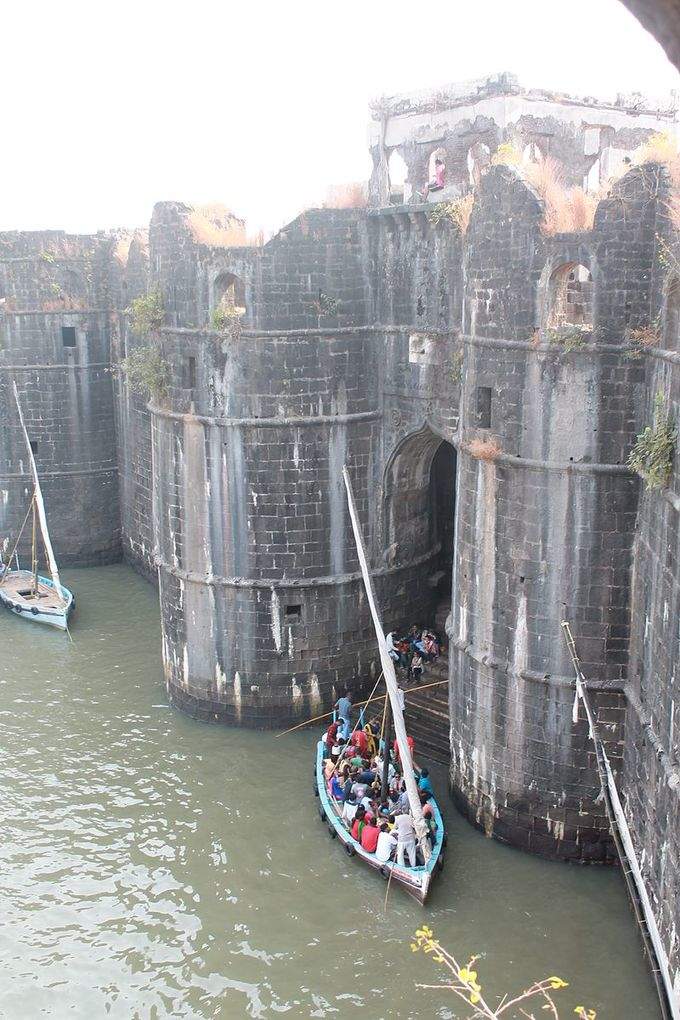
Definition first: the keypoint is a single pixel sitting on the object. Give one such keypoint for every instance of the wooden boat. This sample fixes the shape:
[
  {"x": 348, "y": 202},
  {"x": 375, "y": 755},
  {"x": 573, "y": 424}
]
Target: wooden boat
[
  {"x": 26, "y": 592},
  {"x": 36, "y": 598},
  {"x": 416, "y": 881}
]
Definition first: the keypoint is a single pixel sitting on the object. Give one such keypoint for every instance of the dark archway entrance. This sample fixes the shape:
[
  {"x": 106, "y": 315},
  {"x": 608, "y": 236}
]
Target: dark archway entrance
[
  {"x": 420, "y": 499},
  {"x": 419, "y": 536}
]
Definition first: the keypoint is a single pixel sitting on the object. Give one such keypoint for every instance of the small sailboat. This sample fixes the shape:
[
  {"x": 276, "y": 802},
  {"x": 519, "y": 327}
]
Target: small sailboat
[
  {"x": 415, "y": 880},
  {"x": 26, "y": 592}
]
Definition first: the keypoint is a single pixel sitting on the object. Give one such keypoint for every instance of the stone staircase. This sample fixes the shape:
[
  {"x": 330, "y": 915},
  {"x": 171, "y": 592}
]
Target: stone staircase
[{"x": 427, "y": 712}]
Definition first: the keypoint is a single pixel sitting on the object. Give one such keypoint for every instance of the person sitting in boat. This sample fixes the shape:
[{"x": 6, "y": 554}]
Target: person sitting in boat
[
  {"x": 329, "y": 769},
  {"x": 402, "y": 801},
  {"x": 358, "y": 823},
  {"x": 337, "y": 790},
  {"x": 428, "y": 815},
  {"x": 425, "y": 783},
  {"x": 349, "y": 809},
  {"x": 369, "y": 835},
  {"x": 386, "y": 844},
  {"x": 406, "y": 839},
  {"x": 350, "y": 780}
]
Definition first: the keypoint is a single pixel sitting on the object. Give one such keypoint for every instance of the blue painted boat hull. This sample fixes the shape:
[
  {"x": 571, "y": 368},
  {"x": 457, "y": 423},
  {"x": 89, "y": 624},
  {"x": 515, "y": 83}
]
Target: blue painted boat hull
[{"x": 416, "y": 881}]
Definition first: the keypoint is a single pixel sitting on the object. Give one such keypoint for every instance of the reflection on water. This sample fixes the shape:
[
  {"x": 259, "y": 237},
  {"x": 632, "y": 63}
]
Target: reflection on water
[{"x": 152, "y": 866}]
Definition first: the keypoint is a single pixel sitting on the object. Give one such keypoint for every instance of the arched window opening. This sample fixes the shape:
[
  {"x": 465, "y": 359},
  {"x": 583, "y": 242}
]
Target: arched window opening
[
  {"x": 570, "y": 297},
  {"x": 478, "y": 159},
  {"x": 397, "y": 172},
  {"x": 229, "y": 294},
  {"x": 531, "y": 154},
  {"x": 436, "y": 168},
  {"x": 671, "y": 317}
]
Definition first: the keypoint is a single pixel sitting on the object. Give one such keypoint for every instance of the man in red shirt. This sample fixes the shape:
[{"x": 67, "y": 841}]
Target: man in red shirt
[
  {"x": 412, "y": 747},
  {"x": 369, "y": 835},
  {"x": 360, "y": 741}
]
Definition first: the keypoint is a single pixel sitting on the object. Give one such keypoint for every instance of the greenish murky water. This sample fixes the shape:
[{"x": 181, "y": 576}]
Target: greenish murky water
[{"x": 151, "y": 866}]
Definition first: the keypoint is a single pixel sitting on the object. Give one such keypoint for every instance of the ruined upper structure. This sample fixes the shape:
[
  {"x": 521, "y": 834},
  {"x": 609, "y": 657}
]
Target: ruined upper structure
[
  {"x": 482, "y": 388},
  {"x": 463, "y": 125}
]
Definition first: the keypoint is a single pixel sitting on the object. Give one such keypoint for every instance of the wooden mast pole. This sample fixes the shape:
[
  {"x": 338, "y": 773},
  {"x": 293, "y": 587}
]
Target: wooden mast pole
[
  {"x": 34, "y": 554},
  {"x": 386, "y": 751}
]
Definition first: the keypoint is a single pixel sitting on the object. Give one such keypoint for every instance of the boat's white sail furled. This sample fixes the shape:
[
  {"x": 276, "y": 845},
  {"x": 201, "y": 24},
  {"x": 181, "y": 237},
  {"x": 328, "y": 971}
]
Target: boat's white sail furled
[
  {"x": 51, "y": 561},
  {"x": 387, "y": 665}
]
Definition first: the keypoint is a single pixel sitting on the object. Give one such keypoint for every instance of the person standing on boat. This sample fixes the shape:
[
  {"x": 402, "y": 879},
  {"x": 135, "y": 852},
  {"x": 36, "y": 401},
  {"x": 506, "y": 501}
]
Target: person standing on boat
[
  {"x": 406, "y": 839},
  {"x": 343, "y": 707}
]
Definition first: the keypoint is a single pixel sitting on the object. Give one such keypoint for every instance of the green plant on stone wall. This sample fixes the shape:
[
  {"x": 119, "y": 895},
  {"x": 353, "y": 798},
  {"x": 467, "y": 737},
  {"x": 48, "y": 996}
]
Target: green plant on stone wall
[
  {"x": 569, "y": 337},
  {"x": 147, "y": 313},
  {"x": 456, "y": 212},
  {"x": 228, "y": 321},
  {"x": 146, "y": 372},
  {"x": 654, "y": 450}
]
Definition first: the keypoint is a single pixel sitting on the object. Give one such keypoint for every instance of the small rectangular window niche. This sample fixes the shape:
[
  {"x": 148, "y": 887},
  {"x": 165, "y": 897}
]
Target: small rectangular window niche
[
  {"x": 68, "y": 336},
  {"x": 483, "y": 408}
]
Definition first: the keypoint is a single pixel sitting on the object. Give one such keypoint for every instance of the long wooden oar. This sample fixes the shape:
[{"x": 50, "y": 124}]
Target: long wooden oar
[{"x": 380, "y": 697}]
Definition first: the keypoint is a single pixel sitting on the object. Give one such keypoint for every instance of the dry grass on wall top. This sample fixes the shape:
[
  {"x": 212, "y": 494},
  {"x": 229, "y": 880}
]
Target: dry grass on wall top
[
  {"x": 346, "y": 196},
  {"x": 216, "y": 226},
  {"x": 485, "y": 449},
  {"x": 663, "y": 148},
  {"x": 566, "y": 210}
]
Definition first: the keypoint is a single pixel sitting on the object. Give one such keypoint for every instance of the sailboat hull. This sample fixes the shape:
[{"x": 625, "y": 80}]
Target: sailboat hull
[
  {"x": 47, "y": 607},
  {"x": 415, "y": 881}
]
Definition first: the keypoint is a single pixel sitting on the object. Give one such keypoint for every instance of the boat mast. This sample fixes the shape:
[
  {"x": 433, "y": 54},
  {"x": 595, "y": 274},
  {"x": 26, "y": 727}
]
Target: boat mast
[
  {"x": 34, "y": 553},
  {"x": 40, "y": 506},
  {"x": 390, "y": 680}
]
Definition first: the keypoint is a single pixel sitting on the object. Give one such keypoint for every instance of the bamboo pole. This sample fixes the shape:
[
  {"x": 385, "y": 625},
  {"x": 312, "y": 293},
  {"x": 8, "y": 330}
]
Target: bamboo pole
[
  {"x": 381, "y": 697},
  {"x": 16, "y": 544}
]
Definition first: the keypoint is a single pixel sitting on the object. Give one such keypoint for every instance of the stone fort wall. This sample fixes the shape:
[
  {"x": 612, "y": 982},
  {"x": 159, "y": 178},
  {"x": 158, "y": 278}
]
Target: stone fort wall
[{"x": 372, "y": 338}]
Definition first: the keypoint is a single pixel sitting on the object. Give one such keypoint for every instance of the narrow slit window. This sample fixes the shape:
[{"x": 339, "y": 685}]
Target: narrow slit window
[
  {"x": 191, "y": 373},
  {"x": 68, "y": 336},
  {"x": 33, "y": 443},
  {"x": 483, "y": 409},
  {"x": 293, "y": 613}
]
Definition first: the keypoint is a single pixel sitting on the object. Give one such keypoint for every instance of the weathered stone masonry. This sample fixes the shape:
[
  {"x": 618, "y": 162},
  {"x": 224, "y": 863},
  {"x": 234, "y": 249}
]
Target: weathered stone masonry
[{"x": 418, "y": 357}]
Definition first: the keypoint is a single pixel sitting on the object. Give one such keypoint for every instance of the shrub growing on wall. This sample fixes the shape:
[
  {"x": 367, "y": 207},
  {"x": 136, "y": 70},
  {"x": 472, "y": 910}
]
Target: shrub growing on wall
[
  {"x": 146, "y": 372},
  {"x": 147, "y": 313},
  {"x": 654, "y": 451},
  {"x": 228, "y": 321}
]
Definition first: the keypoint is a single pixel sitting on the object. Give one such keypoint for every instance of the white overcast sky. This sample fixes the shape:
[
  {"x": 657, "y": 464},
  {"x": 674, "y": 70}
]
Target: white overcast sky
[{"x": 110, "y": 107}]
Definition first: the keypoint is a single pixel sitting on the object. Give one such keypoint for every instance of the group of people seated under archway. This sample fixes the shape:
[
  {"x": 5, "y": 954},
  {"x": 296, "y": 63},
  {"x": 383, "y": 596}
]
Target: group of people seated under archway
[
  {"x": 379, "y": 820},
  {"x": 413, "y": 650}
]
